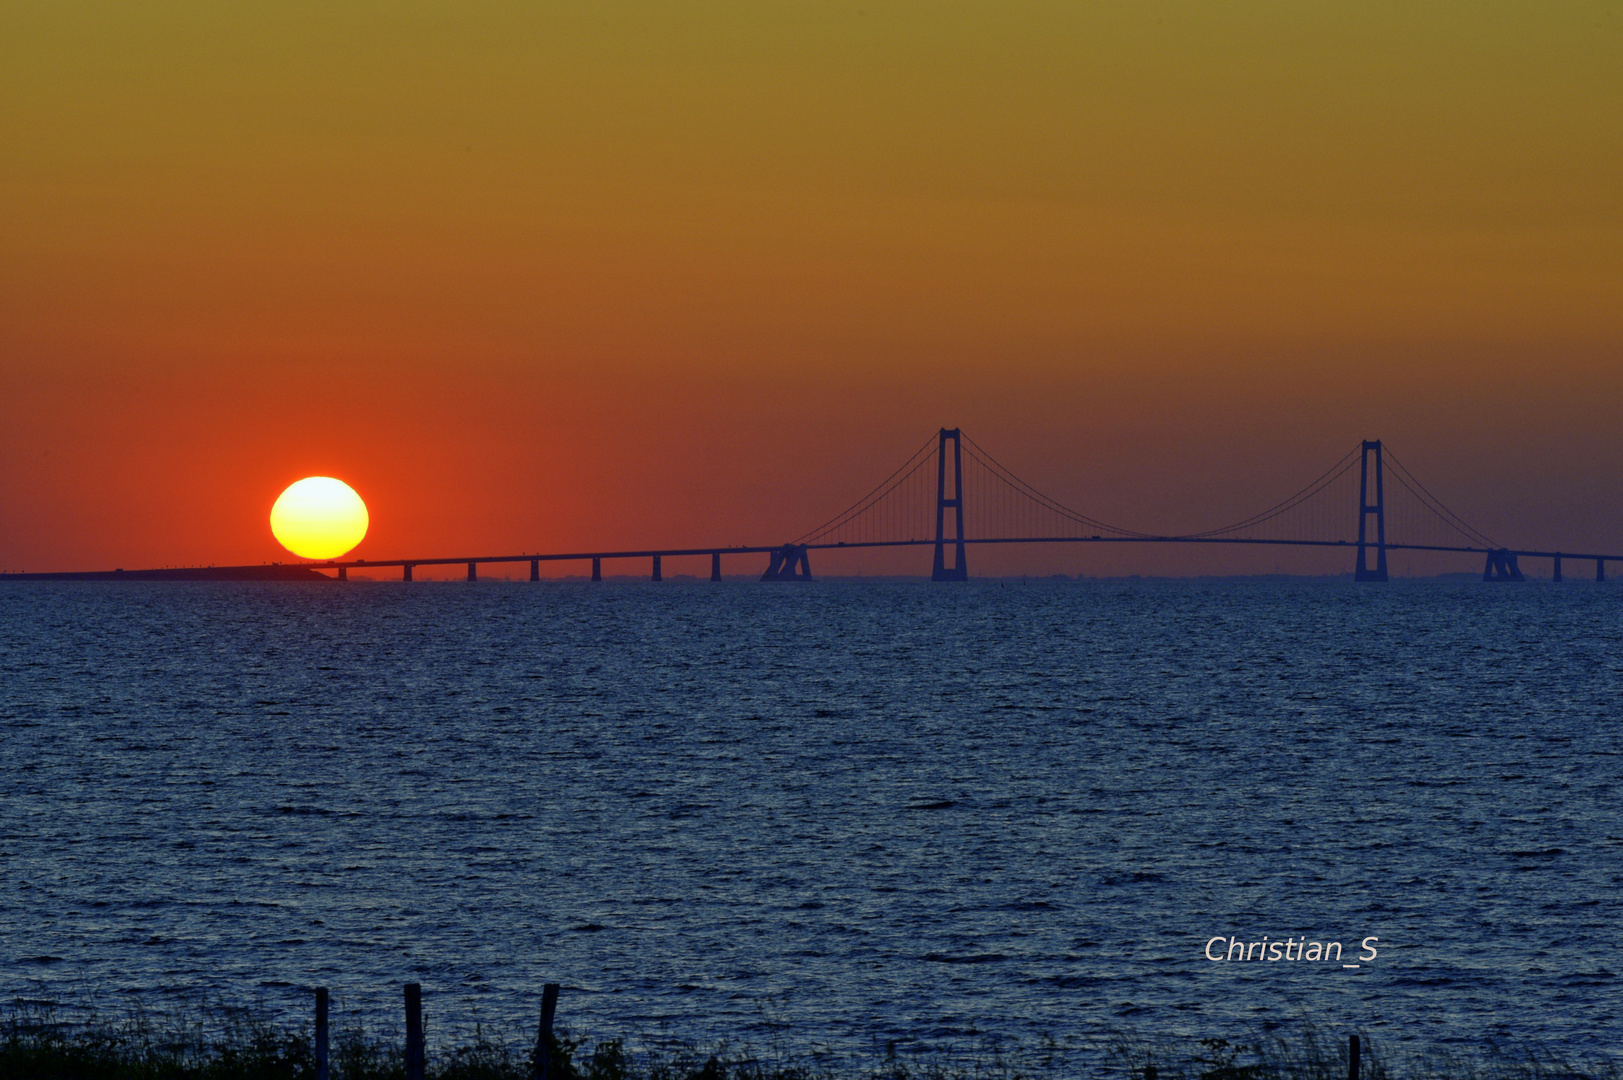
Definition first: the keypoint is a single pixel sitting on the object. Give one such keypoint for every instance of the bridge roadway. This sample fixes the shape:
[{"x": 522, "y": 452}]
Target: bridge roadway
[
  {"x": 781, "y": 554},
  {"x": 658, "y": 554}
]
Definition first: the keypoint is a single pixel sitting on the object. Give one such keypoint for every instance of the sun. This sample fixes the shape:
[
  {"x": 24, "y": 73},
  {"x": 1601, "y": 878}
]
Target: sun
[{"x": 319, "y": 518}]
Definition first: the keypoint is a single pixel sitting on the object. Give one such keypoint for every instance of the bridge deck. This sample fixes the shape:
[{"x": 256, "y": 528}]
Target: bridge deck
[{"x": 310, "y": 570}]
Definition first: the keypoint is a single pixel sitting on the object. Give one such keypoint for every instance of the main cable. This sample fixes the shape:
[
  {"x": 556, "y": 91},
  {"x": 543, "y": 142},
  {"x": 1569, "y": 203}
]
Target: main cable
[{"x": 866, "y": 503}]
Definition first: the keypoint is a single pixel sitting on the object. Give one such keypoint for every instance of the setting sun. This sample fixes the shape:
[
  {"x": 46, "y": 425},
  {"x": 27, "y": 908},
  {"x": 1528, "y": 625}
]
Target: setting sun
[{"x": 319, "y": 518}]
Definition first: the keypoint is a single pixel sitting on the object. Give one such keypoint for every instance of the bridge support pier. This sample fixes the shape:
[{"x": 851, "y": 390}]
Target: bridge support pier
[
  {"x": 1363, "y": 571},
  {"x": 1501, "y": 566},
  {"x": 535, "y": 569},
  {"x": 657, "y": 575},
  {"x": 597, "y": 568},
  {"x": 405, "y": 572},
  {"x": 1600, "y": 569},
  {"x": 939, "y": 570},
  {"x": 715, "y": 566},
  {"x": 1557, "y": 563},
  {"x": 343, "y": 573},
  {"x": 473, "y": 571},
  {"x": 789, "y": 563}
]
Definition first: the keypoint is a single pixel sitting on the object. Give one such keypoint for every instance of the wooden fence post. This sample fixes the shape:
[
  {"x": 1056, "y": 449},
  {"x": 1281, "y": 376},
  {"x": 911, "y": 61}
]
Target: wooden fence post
[
  {"x": 543, "y": 1039},
  {"x": 414, "y": 1030},
  {"x": 321, "y": 1033}
]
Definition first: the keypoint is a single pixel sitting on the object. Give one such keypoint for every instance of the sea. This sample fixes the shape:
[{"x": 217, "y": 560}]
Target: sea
[{"x": 842, "y": 817}]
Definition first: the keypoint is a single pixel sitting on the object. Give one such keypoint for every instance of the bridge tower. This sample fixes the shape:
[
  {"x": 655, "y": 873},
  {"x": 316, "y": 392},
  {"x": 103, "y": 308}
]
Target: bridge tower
[
  {"x": 959, "y": 571},
  {"x": 1363, "y": 572}
]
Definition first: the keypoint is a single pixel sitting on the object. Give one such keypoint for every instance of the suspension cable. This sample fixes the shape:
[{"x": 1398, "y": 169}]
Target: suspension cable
[
  {"x": 1330, "y": 476},
  {"x": 1433, "y": 503},
  {"x": 1016, "y": 486},
  {"x": 979, "y": 453},
  {"x": 900, "y": 476}
]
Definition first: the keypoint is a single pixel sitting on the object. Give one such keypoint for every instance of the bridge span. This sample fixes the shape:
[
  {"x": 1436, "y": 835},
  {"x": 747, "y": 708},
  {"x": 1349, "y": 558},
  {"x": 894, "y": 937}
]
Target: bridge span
[{"x": 951, "y": 495}]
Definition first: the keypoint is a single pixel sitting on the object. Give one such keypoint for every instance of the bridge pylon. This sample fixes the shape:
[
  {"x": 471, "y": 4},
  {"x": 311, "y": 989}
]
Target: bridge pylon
[
  {"x": 959, "y": 570},
  {"x": 1501, "y": 566},
  {"x": 1363, "y": 571},
  {"x": 789, "y": 563}
]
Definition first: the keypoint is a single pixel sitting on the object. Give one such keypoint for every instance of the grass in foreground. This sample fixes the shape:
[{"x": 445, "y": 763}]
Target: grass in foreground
[{"x": 35, "y": 1043}]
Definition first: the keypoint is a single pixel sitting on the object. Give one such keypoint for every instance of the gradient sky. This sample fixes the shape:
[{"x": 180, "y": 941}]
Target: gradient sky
[{"x": 551, "y": 276}]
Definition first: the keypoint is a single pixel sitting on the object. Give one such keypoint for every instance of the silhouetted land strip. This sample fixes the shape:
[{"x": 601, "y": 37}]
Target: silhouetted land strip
[{"x": 274, "y": 572}]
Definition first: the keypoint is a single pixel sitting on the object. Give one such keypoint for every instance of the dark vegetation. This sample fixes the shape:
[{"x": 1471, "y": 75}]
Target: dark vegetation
[{"x": 35, "y": 1042}]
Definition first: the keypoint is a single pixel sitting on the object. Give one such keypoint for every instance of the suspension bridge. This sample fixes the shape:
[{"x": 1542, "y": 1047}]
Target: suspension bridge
[
  {"x": 976, "y": 500},
  {"x": 951, "y": 495}
]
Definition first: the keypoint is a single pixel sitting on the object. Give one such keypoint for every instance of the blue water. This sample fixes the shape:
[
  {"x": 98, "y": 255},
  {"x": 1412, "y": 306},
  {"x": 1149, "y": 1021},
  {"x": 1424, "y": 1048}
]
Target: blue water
[{"x": 869, "y": 813}]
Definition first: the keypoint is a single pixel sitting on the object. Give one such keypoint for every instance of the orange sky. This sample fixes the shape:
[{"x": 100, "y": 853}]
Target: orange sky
[{"x": 553, "y": 276}]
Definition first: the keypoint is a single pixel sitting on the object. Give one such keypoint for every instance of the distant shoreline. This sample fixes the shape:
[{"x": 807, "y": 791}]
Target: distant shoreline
[{"x": 272, "y": 572}]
